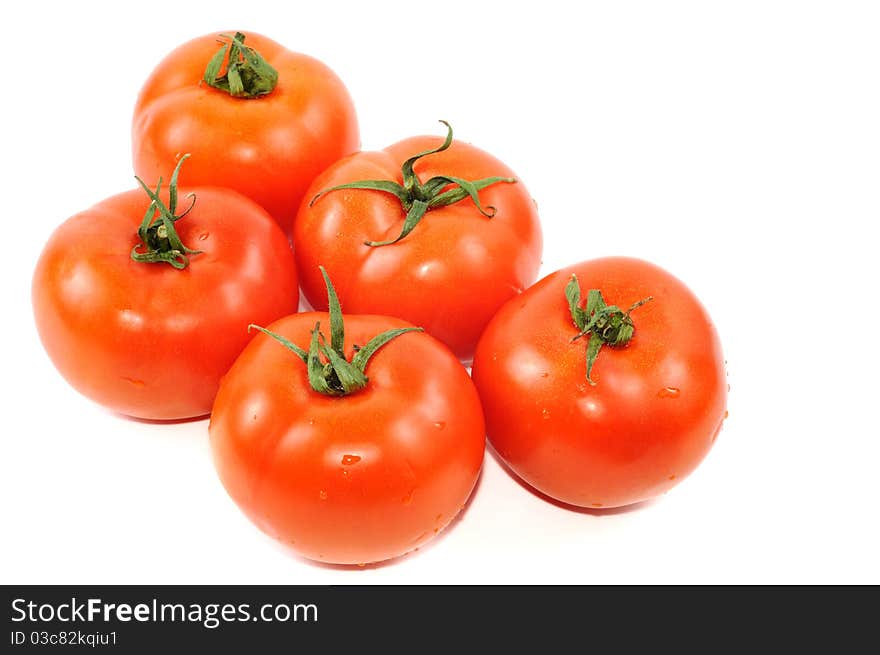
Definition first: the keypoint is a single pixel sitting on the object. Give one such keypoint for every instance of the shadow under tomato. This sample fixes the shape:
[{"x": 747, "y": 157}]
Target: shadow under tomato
[
  {"x": 159, "y": 421},
  {"x": 394, "y": 560},
  {"x": 577, "y": 509}
]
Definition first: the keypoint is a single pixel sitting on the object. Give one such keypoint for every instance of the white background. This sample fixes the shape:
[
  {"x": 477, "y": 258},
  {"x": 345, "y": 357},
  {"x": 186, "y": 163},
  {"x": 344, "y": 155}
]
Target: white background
[{"x": 737, "y": 144}]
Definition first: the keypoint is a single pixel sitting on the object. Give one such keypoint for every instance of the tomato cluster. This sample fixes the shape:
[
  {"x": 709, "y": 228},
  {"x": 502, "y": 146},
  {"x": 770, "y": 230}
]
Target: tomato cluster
[{"x": 357, "y": 437}]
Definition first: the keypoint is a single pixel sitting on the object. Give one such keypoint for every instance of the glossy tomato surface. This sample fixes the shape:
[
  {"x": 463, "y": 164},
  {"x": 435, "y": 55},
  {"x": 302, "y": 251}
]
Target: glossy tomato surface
[
  {"x": 451, "y": 273},
  {"x": 352, "y": 479},
  {"x": 269, "y": 148},
  {"x": 654, "y": 413},
  {"x": 145, "y": 339}
]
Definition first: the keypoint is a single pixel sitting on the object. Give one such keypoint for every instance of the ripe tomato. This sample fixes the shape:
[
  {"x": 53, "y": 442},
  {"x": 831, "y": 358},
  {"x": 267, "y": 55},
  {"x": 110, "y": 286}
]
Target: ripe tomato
[
  {"x": 353, "y": 476},
  {"x": 148, "y": 339},
  {"x": 653, "y": 409},
  {"x": 269, "y": 146},
  {"x": 455, "y": 267}
]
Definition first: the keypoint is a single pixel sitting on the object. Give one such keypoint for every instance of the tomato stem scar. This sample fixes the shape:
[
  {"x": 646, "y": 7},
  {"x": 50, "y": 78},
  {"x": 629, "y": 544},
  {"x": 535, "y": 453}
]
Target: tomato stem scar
[
  {"x": 157, "y": 234},
  {"x": 606, "y": 324},
  {"x": 416, "y": 198},
  {"x": 333, "y": 374},
  {"x": 247, "y": 74}
]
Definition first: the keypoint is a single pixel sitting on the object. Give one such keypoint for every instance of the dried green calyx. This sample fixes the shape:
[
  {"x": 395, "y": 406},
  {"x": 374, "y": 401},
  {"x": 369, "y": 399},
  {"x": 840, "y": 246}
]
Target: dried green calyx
[
  {"x": 247, "y": 74},
  {"x": 330, "y": 373},
  {"x": 606, "y": 324}
]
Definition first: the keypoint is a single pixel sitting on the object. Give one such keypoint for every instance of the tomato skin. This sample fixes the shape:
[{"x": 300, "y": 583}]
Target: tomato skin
[
  {"x": 354, "y": 479},
  {"x": 268, "y": 148},
  {"x": 450, "y": 274},
  {"x": 147, "y": 340},
  {"x": 654, "y": 413}
]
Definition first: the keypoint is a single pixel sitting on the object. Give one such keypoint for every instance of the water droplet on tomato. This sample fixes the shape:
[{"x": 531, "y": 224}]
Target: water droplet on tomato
[
  {"x": 545, "y": 413},
  {"x": 322, "y": 495},
  {"x": 203, "y": 236},
  {"x": 669, "y": 392},
  {"x": 439, "y": 424},
  {"x": 348, "y": 460}
]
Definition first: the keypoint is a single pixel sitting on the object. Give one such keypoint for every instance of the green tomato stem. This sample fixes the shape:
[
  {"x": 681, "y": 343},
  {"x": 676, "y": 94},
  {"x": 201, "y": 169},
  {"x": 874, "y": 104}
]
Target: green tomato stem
[
  {"x": 417, "y": 198},
  {"x": 605, "y": 324},
  {"x": 330, "y": 373},
  {"x": 247, "y": 74},
  {"x": 159, "y": 241}
]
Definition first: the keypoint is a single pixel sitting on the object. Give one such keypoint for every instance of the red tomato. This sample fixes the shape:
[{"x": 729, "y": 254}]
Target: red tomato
[
  {"x": 455, "y": 268},
  {"x": 268, "y": 147},
  {"x": 354, "y": 478},
  {"x": 146, "y": 339},
  {"x": 657, "y": 403}
]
